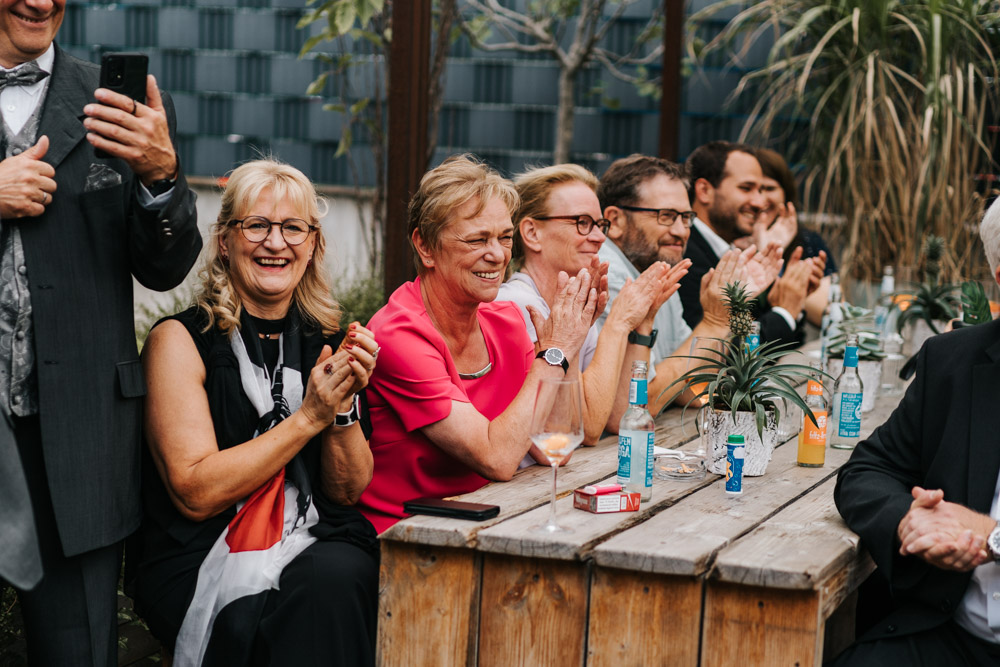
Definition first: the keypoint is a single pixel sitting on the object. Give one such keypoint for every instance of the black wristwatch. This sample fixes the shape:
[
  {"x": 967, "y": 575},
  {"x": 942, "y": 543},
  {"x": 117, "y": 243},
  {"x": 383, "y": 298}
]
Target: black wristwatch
[
  {"x": 993, "y": 543},
  {"x": 162, "y": 186},
  {"x": 350, "y": 417},
  {"x": 639, "y": 339},
  {"x": 554, "y": 357}
]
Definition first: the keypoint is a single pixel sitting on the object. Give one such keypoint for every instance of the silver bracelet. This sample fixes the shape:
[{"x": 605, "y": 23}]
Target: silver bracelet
[{"x": 349, "y": 418}]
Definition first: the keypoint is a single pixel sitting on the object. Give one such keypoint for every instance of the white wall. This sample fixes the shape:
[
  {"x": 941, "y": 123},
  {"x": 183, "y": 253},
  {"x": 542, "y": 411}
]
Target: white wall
[{"x": 347, "y": 241}]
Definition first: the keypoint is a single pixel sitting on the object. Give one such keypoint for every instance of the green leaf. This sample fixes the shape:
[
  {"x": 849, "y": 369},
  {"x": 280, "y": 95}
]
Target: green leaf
[
  {"x": 316, "y": 87},
  {"x": 975, "y": 305},
  {"x": 345, "y": 142}
]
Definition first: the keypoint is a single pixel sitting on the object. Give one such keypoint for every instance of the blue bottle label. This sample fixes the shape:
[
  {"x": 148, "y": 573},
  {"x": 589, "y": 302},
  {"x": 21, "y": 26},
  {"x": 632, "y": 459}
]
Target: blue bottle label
[
  {"x": 637, "y": 392},
  {"x": 649, "y": 459},
  {"x": 734, "y": 468},
  {"x": 624, "y": 457},
  {"x": 753, "y": 342},
  {"x": 849, "y": 425},
  {"x": 851, "y": 357}
]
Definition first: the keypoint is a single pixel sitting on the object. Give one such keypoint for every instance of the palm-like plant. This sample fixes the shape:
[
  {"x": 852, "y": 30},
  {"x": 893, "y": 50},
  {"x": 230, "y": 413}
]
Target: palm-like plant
[
  {"x": 734, "y": 378},
  {"x": 861, "y": 322},
  {"x": 896, "y": 94},
  {"x": 931, "y": 301}
]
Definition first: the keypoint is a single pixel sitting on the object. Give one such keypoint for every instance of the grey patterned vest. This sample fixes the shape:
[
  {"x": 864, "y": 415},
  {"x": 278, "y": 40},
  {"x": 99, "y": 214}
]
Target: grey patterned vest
[{"x": 18, "y": 381}]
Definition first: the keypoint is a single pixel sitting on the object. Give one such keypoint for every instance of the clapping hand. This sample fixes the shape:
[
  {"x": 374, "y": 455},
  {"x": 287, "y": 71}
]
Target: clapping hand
[{"x": 571, "y": 316}]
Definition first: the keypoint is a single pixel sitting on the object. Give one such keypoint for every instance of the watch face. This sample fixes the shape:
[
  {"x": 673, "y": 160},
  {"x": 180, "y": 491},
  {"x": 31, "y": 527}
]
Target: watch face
[
  {"x": 993, "y": 541},
  {"x": 554, "y": 356}
]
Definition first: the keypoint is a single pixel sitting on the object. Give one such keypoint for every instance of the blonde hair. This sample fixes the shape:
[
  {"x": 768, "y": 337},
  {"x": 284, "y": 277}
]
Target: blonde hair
[
  {"x": 217, "y": 298},
  {"x": 447, "y": 187},
  {"x": 534, "y": 187}
]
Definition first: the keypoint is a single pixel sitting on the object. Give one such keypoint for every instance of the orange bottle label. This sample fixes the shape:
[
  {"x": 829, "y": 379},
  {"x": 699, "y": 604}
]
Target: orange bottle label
[
  {"x": 814, "y": 388},
  {"x": 812, "y": 439}
]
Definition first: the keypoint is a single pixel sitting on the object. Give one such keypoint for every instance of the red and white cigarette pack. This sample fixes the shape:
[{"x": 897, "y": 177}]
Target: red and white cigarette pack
[{"x": 604, "y": 503}]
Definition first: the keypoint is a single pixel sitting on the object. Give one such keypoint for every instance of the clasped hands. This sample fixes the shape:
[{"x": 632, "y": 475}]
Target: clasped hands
[
  {"x": 338, "y": 376},
  {"x": 944, "y": 534}
]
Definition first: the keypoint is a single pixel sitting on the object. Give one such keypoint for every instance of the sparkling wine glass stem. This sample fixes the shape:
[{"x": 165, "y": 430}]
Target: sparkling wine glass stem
[{"x": 552, "y": 502}]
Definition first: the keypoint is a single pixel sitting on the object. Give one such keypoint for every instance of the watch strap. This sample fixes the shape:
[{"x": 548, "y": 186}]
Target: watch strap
[
  {"x": 349, "y": 418},
  {"x": 641, "y": 339},
  {"x": 162, "y": 186},
  {"x": 564, "y": 362}
]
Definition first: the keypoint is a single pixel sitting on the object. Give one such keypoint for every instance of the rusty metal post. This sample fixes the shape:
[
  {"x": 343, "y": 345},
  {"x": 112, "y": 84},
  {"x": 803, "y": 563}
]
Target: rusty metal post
[
  {"x": 409, "y": 81},
  {"x": 670, "y": 100}
]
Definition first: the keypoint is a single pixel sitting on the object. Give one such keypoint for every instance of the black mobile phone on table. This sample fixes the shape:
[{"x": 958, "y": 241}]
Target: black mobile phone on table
[
  {"x": 124, "y": 73},
  {"x": 455, "y": 509}
]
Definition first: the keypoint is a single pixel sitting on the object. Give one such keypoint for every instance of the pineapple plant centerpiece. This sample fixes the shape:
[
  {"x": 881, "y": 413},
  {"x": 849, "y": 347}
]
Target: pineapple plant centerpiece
[
  {"x": 741, "y": 387},
  {"x": 930, "y": 304},
  {"x": 859, "y": 321}
]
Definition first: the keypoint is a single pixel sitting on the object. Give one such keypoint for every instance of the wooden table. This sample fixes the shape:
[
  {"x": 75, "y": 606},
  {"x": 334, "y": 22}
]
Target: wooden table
[{"x": 695, "y": 577}]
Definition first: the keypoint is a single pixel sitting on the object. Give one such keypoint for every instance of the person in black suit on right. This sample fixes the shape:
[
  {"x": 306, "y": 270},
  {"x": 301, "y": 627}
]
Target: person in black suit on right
[
  {"x": 923, "y": 493},
  {"x": 726, "y": 194}
]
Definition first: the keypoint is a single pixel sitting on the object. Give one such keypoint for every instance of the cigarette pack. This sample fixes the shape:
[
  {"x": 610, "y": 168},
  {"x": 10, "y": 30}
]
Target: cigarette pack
[{"x": 607, "y": 502}]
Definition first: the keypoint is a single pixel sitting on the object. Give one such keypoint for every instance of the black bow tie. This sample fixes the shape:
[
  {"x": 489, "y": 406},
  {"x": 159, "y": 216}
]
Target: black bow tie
[{"x": 24, "y": 75}]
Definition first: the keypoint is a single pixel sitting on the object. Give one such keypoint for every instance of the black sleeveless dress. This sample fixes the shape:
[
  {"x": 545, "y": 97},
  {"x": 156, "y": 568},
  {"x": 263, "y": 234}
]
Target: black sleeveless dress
[{"x": 325, "y": 610}]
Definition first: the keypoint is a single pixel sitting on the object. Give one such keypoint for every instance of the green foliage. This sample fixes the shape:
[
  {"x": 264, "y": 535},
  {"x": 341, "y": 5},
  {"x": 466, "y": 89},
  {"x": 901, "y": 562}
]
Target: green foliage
[
  {"x": 735, "y": 379},
  {"x": 358, "y": 20},
  {"x": 361, "y": 299},
  {"x": 975, "y": 305},
  {"x": 897, "y": 95},
  {"x": 146, "y": 316},
  {"x": 929, "y": 300},
  {"x": 861, "y": 322}
]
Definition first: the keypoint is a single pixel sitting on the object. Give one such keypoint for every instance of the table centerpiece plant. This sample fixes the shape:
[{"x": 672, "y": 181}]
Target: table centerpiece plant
[
  {"x": 926, "y": 307},
  {"x": 860, "y": 321},
  {"x": 740, "y": 388}
]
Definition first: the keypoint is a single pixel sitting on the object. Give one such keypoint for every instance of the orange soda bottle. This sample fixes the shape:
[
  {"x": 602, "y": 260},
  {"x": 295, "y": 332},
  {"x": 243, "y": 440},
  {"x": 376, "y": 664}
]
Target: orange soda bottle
[{"x": 812, "y": 437}]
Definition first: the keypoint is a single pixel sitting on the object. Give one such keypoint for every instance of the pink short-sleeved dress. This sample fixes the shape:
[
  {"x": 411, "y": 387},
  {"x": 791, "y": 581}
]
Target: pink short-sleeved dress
[{"x": 414, "y": 384}]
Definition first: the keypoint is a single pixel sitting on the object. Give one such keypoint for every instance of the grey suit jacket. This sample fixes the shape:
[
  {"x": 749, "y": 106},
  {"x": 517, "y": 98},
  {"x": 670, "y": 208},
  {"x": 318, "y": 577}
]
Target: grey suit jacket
[{"x": 81, "y": 255}]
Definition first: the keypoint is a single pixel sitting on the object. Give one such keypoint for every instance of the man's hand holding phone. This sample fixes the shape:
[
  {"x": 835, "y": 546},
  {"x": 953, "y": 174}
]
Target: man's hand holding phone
[{"x": 135, "y": 132}]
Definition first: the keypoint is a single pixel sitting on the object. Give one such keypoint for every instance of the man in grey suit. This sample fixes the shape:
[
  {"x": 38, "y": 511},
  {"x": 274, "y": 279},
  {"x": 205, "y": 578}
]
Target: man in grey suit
[{"x": 74, "y": 229}]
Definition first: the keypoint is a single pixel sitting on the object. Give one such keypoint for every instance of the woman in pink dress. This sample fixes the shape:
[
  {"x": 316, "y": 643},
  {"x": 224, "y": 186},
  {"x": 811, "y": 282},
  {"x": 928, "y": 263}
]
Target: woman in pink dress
[{"x": 452, "y": 394}]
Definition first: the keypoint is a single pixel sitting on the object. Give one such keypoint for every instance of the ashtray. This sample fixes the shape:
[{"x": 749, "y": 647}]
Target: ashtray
[{"x": 678, "y": 465}]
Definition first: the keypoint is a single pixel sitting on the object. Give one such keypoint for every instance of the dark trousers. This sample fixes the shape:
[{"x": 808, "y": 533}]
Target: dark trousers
[
  {"x": 70, "y": 617},
  {"x": 947, "y": 645}
]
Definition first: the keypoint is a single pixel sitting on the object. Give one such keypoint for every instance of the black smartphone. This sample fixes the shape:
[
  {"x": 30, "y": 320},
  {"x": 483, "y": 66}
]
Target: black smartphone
[
  {"x": 454, "y": 509},
  {"x": 124, "y": 73}
]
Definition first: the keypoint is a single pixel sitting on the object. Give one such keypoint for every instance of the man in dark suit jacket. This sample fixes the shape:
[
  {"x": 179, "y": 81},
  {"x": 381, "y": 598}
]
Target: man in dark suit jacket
[
  {"x": 76, "y": 228},
  {"x": 922, "y": 492},
  {"x": 725, "y": 192}
]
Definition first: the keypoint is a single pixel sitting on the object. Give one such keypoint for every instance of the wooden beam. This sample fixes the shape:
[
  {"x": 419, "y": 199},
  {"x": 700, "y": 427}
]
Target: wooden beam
[
  {"x": 670, "y": 100},
  {"x": 409, "y": 57}
]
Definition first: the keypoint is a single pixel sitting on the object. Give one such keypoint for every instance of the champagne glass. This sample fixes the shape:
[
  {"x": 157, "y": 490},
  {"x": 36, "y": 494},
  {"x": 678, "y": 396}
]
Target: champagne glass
[{"x": 557, "y": 429}]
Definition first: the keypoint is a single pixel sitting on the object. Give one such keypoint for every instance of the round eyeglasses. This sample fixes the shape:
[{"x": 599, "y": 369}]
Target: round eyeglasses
[
  {"x": 255, "y": 229},
  {"x": 664, "y": 216},
  {"x": 584, "y": 223}
]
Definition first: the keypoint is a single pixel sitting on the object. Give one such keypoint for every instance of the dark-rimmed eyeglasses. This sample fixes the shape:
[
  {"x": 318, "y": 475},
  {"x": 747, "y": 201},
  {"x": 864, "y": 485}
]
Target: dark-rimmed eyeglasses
[
  {"x": 255, "y": 229},
  {"x": 664, "y": 216},
  {"x": 584, "y": 223}
]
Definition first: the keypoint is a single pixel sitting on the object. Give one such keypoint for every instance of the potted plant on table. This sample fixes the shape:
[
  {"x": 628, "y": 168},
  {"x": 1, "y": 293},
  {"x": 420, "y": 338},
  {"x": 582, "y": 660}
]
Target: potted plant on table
[
  {"x": 929, "y": 305},
  {"x": 860, "y": 321},
  {"x": 740, "y": 387}
]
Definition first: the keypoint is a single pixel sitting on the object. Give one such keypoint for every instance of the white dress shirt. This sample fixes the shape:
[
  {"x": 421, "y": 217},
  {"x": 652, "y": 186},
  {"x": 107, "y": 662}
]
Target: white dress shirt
[{"x": 979, "y": 611}]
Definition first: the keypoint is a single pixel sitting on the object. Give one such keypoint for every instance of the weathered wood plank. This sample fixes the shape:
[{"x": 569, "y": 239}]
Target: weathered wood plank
[
  {"x": 516, "y": 538},
  {"x": 642, "y": 620},
  {"x": 801, "y": 547},
  {"x": 684, "y": 538},
  {"x": 748, "y": 625},
  {"x": 534, "y": 612},
  {"x": 530, "y": 488},
  {"x": 428, "y": 605}
]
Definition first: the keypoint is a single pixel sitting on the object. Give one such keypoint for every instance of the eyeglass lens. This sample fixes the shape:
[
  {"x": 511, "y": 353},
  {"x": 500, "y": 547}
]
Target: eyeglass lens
[
  {"x": 293, "y": 230},
  {"x": 585, "y": 224}
]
